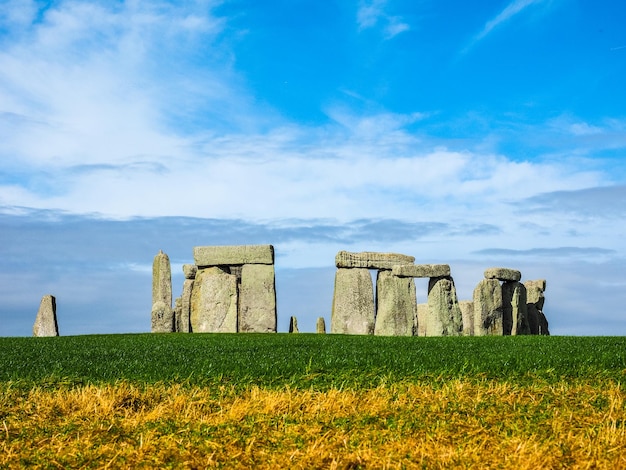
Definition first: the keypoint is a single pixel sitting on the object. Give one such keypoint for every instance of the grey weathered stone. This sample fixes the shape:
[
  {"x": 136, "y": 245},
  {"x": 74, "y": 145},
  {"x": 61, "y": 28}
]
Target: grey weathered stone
[
  {"x": 467, "y": 313},
  {"x": 190, "y": 271},
  {"x": 233, "y": 255},
  {"x": 178, "y": 313},
  {"x": 214, "y": 302},
  {"x": 185, "y": 310},
  {"x": 371, "y": 260},
  {"x": 162, "y": 279},
  {"x": 353, "y": 302},
  {"x": 488, "y": 308},
  {"x": 514, "y": 309},
  {"x": 320, "y": 326},
  {"x": 162, "y": 318},
  {"x": 293, "y": 325},
  {"x": 444, "y": 314},
  {"x": 257, "y": 299},
  {"x": 421, "y": 270},
  {"x": 46, "y": 320},
  {"x": 422, "y": 319},
  {"x": 396, "y": 305},
  {"x": 535, "y": 299},
  {"x": 503, "y": 274}
]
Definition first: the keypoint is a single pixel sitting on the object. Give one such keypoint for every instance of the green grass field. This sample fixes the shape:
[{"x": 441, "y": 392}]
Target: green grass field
[
  {"x": 307, "y": 360},
  {"x": 312, "y": 401}
]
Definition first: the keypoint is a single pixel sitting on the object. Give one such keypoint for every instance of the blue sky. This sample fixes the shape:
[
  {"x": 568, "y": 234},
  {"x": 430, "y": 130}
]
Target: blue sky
[{"x": 476, "y": 134}]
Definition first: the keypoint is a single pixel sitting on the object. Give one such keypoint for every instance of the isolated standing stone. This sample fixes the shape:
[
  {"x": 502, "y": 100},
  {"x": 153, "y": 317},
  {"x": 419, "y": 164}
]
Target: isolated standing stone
[
  {"x": 162, "y": 318},
  {"x": 371, "y": 260},
  {"x": 46, "y": 320},
  {"x": 467, "y": 313},
  {"x": 514, "y": 309},
  {"x": 293, "y": 325},
  {"x": 444, "y": 314},
  {"x": 320, "y": 327},
  {"x": 488, "y": 308},
  {"x": 396, "y": 305},
  {"x": 353, "y": 302},
  {"x": 162, "y": 279},
  {"x": 257, "y": 299},
  {"x": 185, "y": 306},
  {"x": 214, "y": 302}
]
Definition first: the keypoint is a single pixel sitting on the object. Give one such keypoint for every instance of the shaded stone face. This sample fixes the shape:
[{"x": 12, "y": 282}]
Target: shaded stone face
[
  {"x": 320, "y": 326},
  {"x": 538, "y": 322},
  {"x": 46, "y": 320},
  {"x": 233, "y": 255},
  {"x": 371, "y": 260},
  {"x": 396, "y": 305},
  {"x": 444, "y": 314},
  {"x": 293, "y": 325},
  {"x": 257, "y": 299},
  {"x": 214, "y": 302},
  {"x": 162, "y": 318},
  {"x": 161, "y": 279},
  {"x": 353, "y": 302},
  {"x": 514, "y": 309},
  {"x": 488, "y": 308},
  {"x": 503, "y": 274},
  {"x": 421, "y": 270},
  {"x": 467, "y": 314}
]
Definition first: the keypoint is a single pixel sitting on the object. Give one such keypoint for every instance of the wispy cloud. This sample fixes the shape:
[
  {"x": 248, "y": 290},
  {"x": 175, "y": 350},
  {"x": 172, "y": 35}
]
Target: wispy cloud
[
  {"x": 512, "y": 9},
  {"x": 373, "y": 14}
]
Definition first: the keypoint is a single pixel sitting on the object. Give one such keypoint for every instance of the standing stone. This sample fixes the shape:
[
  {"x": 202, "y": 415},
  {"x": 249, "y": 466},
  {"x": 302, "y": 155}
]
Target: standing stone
[
  {"x": 161, "y": 279},
  {"x": 514, "y": 309},
  {"x": 396, "y": 305},
  {"x": 444, "y": 314},
  {"x": 178, "y": 311},
  {"x": 488, "y": 308},
  {"x": 538, "y": 323},
  {"x": 185, "y": 307},
  {"x": 162, "y": 318},
  {"x": 214, "y": 302},
  {"x": 46, "y": 320},
  {"x": 353, "y": 302},
  {"x": 371, "y": 260},
  {"x": 320, "y": 327},
  {"x": 467, "y": 313},
  {"x": 293, "y": 325},
  {"x": 422, "y": 319},
  {"x": 257, "y": 299}
]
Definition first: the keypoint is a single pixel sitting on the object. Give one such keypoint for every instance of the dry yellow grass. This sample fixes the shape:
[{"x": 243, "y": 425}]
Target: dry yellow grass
[{"x": 461, "y": 423}]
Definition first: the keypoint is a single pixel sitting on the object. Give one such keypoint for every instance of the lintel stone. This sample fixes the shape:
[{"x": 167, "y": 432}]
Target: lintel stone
[
  {"x": 233, "y": 255},
  {"x": 421, "y": 270},
  {"x": 371, "y": 260},
  {"x": 503, "y": 274}
]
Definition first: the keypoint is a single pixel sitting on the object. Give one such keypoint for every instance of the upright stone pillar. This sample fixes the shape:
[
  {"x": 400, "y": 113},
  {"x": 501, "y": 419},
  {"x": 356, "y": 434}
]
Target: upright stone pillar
[
  {"x": 46, "y": 320},
  {"x": 185, "y": 298},
  {"x": 422, "y": 319},
  {"x": 320, "y": 327},
  {"x": 467, "y": 313},
  {"x": 396, "y": 305},
  {"x": 538, "y": 323},
  {"x": 214, "y": 302},
  {"x": 444, "y": 313},
  {"x": 515, "y": 311},
  {"x": 488, "y": 308},
  {"x": 353, "y": 302},
  {"x": 162, "y": 279},
  {"x": 178, "y": 313},
  {"x": 163, "y": 320},
  {"x": 257, "y": 299},
  {"x": 293, "y": 325}
]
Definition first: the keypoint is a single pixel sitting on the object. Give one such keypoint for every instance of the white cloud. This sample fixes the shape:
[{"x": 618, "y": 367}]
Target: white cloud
[{"x": 372, "y": 14}]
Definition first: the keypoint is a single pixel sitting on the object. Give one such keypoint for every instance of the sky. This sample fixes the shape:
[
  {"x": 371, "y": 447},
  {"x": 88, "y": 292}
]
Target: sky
[{"x": 475, "y": 134}]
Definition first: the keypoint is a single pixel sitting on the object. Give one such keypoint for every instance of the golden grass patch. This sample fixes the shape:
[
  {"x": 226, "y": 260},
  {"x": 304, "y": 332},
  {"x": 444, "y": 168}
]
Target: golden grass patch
[{"x": 460, "y": 423}]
